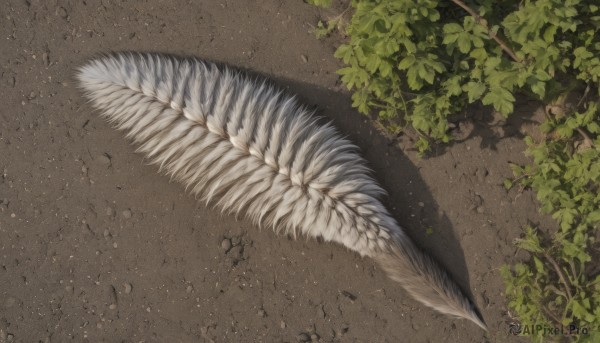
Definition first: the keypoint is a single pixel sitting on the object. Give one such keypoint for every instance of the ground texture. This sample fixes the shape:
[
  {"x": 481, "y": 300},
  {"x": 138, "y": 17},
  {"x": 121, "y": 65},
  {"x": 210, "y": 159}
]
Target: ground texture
[{"x": 96, "y": 246}]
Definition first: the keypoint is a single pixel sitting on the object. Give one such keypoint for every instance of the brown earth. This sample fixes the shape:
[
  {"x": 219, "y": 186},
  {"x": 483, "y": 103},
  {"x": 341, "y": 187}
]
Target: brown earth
[{"x": 96, "y": 246}]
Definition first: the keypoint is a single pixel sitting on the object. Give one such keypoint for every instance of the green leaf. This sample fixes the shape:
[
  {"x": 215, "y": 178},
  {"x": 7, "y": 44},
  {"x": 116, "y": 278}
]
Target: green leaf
[
  {"x": 531, "y": 241},
  {"x": 453, "y": 86},
  {"x": 320, "y": 3},
  {"x": 464, "y": 43},
  {"x": 480, "y": 54},
  {"x": 453, "y": 28},
  {"x": 474, "y": 90},
  {"x": 407, "y": 62},
  {"x": 501, "y": 99}
]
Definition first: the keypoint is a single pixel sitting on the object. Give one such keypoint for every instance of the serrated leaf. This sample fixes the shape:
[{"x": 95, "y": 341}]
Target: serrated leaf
[
  {"x": 425, "y": 73},
  {"x": 549, "y": 33},
  {"x": 479, "y": 54},
  {"x": 474, "y": 90},
  {"x": 453, "y": 86},
  {"x": 539, "y": 88},
  {"x": 539, "y": 266},
  {"x": 407, "y": 62},
  {"x": 501, "y": 99},
  {"x": 530, "y": 242}
]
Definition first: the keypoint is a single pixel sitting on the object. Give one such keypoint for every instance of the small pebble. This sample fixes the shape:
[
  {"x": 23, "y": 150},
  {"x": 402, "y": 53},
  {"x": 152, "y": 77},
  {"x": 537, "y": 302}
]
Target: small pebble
[
  {"x": 106, "y": 233},
  {"x": 341, "y": 331},
  {"x": 226, "y": 244},
  {"x": 314, "y": 337},
  {"x": 321, "y": 312},
  {"x": 110, "y": 212},
  {"x": 12, "y": 215},
  {"x": 115, "y": 245},
  {"x": 127, "y": 288},
  {"x": 62, "y": 12},
  {"x": 99, "y": 325},
  {"x": 349, "y": 295},
  {"x": 480, "y": 209},
  {"x": 189, "y": 289},
  {"x": 303, "y": 337},
  {"x": 481, "y": 174},
  {"x": 85, "y": 227},
  {"x": 236, "y": 240},
  {"x": 69, "y": 289},
  {"x": 103, "y": 160},
  {"x": 84, "y": 169},
  {"x": 421, "y": 204},
  {"x": 236, "y": 252},
  {"x": 113, "y": 306},
  {"x": 282, "y": 324},
  {"x": 483, "y": 300},
  {"x": 262, "y": 313},
  {"x": 127, "y": 214},
  {"x": 148, "y": 309},
  {"x": 304, "y": 58}
]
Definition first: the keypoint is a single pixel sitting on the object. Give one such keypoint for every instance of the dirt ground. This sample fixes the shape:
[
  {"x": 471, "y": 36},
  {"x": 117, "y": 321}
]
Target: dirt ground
[{"x": 96, "y": 246}]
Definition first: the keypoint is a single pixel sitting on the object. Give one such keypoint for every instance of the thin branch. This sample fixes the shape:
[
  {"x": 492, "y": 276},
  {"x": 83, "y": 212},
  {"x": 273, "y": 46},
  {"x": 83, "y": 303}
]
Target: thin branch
[
  {"x": 585, "y": 94},
  {"x": 518, "y": 178},
  {"x": 492, "y": 35}
]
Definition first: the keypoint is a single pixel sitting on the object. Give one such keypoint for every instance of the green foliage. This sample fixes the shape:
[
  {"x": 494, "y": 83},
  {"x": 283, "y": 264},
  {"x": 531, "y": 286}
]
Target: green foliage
[
  {"x": 416, "y": 62},
  {"x": 555, "y": 289},
  {"x": 320, "y": 3},
  {"x": 325, "y": 28}
]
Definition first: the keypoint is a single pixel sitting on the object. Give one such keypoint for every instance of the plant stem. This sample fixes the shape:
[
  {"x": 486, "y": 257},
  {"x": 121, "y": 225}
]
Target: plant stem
[
  {"x": 561, "y": 276},
  {"x": 518, "y": 178},
  {"x": 585, "y": 94},
  {"x": 494, "y": 36},
  {"x": 551, "y": 315},
  {"x": 585, "y": 136}
]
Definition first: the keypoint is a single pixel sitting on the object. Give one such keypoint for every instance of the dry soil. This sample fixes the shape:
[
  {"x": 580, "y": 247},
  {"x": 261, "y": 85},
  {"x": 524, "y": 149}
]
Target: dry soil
[{"x": 96, "y": 246}]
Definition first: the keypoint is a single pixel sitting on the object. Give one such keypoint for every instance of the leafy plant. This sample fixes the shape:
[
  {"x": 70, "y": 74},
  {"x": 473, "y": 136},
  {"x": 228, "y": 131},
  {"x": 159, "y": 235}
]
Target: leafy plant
[
  {"x": 417, "y": 62},
  {"x": 338, "y": 23},
  {"x": 557, "y": 288},
  {"x": 320, "y": 3}
]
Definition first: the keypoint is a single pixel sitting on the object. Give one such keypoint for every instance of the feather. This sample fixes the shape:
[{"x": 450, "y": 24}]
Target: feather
[{"x": 249, "y": 149}]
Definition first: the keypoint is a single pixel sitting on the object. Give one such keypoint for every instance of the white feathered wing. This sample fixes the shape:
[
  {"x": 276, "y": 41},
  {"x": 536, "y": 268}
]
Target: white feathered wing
[{"x": 248, "y": 148}]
